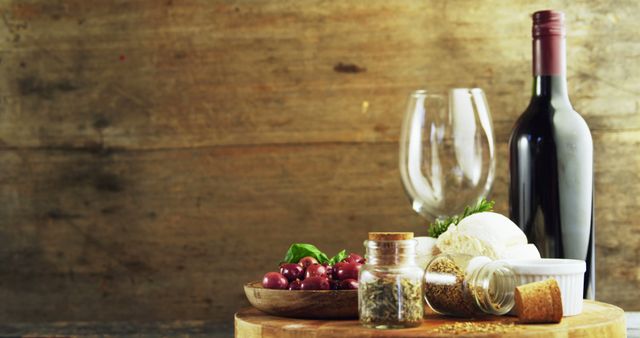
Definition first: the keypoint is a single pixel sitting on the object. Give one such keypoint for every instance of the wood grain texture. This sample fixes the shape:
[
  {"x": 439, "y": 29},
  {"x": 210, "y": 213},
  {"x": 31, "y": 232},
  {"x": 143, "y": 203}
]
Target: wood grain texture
[
  {"x": 191, "y": 328},
  {"x": 155, "y": 156},
  {"x": 126, "y": 231},
  {"x": 598, "y": 320}
]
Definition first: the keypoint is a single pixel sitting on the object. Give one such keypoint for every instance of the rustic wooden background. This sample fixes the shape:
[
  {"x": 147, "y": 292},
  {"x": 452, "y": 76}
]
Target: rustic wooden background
[{"x": 156, "y": 155}]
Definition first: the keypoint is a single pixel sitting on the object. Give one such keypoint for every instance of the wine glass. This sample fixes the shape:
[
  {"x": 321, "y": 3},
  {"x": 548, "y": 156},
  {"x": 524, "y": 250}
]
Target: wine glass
[{"x": 447, "y": 151}]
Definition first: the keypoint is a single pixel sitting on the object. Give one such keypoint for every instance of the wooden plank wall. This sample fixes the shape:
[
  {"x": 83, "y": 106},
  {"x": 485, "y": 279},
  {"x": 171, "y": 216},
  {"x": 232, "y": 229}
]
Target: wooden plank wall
[{"x": 156, "y": 155}]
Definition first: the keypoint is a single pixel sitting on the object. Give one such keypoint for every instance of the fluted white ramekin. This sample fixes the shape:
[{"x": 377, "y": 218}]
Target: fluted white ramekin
[{"x": 569, "y": 273}]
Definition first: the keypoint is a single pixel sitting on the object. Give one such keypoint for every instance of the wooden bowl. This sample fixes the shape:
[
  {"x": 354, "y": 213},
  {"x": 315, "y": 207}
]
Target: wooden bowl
[{"x": 319, "y": 304}]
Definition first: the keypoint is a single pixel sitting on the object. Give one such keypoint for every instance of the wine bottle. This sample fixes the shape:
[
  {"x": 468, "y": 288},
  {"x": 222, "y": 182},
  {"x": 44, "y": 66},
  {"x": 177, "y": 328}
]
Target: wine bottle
[{"x": 551, "y": 158}]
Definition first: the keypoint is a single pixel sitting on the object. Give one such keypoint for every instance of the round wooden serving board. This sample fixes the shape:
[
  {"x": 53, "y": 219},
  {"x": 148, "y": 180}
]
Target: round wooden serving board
[{"x": 597, "y": 320}]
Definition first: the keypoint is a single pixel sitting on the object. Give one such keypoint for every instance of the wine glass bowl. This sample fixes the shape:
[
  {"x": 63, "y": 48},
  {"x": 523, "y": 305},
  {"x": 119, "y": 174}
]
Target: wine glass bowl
[{"x": 447, "y": 151}]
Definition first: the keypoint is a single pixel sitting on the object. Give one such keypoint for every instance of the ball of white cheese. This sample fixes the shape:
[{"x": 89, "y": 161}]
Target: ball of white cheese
[
  {"x": 487, "y": 234},
  {"x": 424, "y": 250}
]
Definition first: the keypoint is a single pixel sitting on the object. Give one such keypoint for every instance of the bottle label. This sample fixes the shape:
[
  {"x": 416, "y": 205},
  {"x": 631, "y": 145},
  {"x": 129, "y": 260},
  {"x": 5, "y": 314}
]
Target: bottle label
[{"x": 575, "y": 182}]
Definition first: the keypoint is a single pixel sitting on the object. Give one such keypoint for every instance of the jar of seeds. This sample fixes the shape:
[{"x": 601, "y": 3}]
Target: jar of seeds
[
  {"x": 390, "y": 285},
  {"x": 467, "y": 286}
]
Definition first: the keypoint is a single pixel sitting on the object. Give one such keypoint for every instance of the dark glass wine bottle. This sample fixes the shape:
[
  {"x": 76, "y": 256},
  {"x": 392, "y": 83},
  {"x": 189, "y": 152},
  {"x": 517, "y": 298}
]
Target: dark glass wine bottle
[{"x": 551, "y": 158}]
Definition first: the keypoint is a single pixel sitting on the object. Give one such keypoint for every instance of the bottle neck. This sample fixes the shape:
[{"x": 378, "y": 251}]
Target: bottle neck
[
  {"x": 549, "y": 55},
  {"x": 549, "y": 66},
  {"x": 550, "y": 86}
]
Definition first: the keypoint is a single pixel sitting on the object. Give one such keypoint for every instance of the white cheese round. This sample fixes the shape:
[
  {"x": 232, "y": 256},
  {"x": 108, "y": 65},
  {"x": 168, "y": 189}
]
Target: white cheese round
[{"x": 487, "y": 234}]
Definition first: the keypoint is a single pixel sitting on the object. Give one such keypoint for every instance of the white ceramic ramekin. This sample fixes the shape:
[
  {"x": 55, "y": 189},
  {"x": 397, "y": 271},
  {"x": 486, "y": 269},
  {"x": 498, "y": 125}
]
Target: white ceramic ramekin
[{"x": 569, "y": 273}]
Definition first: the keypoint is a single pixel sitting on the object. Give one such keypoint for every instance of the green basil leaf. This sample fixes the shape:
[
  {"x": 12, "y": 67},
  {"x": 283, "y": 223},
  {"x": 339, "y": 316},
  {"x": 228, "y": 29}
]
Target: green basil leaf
[
  {"x": 338, "y": 257},
  {"x": 441, "y": 225},
  {"x": 301, "y": 250}
]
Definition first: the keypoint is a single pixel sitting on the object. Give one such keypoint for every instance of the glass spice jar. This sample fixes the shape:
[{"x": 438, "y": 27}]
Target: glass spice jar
[
  {"x": 390, "y": 283},
  {"x": 466, "y": 286}
]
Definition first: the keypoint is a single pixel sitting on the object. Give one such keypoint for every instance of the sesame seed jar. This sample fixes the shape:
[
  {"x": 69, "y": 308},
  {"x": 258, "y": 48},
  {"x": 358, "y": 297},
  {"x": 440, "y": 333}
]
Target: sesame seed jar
[{"x": 466, "y": 286}]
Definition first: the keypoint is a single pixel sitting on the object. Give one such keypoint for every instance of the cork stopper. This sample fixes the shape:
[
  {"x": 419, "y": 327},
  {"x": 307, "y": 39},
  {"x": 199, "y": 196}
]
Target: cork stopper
[
  {"x": 390, "y": 236},
  {"x": 539, "y": 302}
]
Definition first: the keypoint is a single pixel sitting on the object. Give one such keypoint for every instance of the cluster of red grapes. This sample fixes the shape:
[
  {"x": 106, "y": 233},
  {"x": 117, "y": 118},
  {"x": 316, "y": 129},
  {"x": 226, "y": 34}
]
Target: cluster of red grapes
[{"x": 308, "y": 274}]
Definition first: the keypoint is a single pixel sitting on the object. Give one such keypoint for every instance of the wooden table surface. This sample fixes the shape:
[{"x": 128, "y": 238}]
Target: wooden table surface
[
  {"x": 164, "y": 329},
  {"x": 196, "y": 329},
  {"x": 597, "y": 320}
]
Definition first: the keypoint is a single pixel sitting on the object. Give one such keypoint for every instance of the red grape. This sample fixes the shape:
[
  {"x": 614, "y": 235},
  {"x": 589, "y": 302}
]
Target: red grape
[
  {"x": 334, "y": 284},
  {"x": 316, "y": 270},
  {"x": 306, "y": 261},
  {"x": 274, "y": 280},
  {"x": 348, "y": 270},
  {"x": 295, "y": 285},
  {"x": 291, "y": 271},
  {"x": 315, "y": 283},
  {"x": 335, "y": 269},
  {"x": 329, "y": 270},
  {"x": 354, "y": 258},
  {"x": 348, "y": 284}
]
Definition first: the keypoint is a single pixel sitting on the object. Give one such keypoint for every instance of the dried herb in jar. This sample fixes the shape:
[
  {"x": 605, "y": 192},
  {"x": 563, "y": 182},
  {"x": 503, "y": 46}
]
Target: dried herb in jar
[
  {"x": 391, "y": 302},
  {"x": 448, "y": 294},
  {"x": 390, "y": 285}
]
